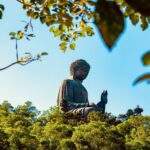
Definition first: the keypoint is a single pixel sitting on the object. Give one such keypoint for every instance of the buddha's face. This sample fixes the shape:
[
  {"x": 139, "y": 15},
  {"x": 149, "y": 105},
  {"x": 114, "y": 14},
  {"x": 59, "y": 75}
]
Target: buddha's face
[{"x": 81, "y": 73}]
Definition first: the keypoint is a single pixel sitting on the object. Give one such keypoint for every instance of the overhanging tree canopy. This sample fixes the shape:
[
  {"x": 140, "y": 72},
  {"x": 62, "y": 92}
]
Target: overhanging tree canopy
[{"x": 72, "y": 19}]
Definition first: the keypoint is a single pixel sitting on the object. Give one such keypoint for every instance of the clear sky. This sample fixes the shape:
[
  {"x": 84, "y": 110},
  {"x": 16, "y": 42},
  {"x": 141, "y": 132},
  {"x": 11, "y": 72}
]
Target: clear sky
[{"x": 39, "y": 81}]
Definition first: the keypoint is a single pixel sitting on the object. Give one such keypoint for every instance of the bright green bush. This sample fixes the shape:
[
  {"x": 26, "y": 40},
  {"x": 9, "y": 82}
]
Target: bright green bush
[{"x": 22, "y": 128}]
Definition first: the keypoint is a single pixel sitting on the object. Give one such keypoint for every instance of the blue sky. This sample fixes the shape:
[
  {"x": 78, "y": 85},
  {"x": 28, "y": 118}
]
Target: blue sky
[{"x": 39, "y": 81}]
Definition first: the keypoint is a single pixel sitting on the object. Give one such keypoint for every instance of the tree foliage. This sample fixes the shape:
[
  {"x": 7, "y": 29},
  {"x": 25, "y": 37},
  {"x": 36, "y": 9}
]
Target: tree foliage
[
  {"x": 23, "y": 128},
  {"x": 71, "y": 19}
]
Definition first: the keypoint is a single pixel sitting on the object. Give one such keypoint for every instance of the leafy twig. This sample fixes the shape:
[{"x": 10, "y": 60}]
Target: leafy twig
[{"x": 28, "y": 58}]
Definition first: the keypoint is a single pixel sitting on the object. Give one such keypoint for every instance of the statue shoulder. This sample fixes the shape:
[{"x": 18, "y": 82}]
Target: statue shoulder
[{"x": 67, "y": 82}]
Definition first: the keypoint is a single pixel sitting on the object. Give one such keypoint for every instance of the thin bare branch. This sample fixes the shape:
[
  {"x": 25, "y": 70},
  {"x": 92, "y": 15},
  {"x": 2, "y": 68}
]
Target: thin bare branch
[
  {"x": 12, "y": 64},
  {"x": 22, "y": 63},
  {"x": 17, "y": 55}
]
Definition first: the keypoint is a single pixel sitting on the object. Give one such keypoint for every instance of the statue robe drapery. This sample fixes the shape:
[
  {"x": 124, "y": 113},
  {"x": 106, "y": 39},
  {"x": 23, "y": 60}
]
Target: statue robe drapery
[{"x": 75, "y": 96}]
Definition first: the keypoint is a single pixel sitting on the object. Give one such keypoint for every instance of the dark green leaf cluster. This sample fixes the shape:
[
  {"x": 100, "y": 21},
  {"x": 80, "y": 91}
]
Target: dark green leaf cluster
[
  {"x": 137, "y": 11},
  {"x": 145, "y": 76},
  {"x": 70, "y": 20},
  {"x": 23, "y": 128},
  {"x": 1, "y": 10},
  {"x": 19, "y": 35},
  {"x": 67, "y": 19},
  {"x": 111, "y": 22},
  {"x": 130, "y": 112}
]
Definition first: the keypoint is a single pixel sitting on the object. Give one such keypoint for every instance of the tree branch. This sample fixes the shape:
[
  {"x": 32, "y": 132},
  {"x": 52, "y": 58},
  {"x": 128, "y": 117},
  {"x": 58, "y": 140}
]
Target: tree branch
[
  {"x": 1, "y": 69},
  {"x": 22, "y": 63}
]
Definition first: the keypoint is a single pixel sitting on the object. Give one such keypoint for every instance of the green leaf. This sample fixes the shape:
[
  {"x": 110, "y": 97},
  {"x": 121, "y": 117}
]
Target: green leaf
[
  {"x": 110, "y": 21},
  {"x": 12, "y": 38},
  {"x": 52, "y": 29},
  {"x": 82, "y": 34},
  {"x": 119, "y": 1},
  {"x": 20, "y": 35},
  {"x": 144, "y": 23},
  {"x": 46, "y": 11},
  {"x": 57, "y": 32},
  {"x": 1, "y": 10},
  {"x": 40, "y": 1},
  {"x": 90, "y": 31},
  {"x": 142, "y": 6},
  {"x": 75, "y": 36},
  {"x": 44, "y": 53},
  {"x": 30, "y": 13},
  {"x": 63, "y": 46},
  {"x": 64, "y": 38},
  {"x": 2, "y": 7},
  {"x": 128, "y": 11},
  {"x": 134, "y": 18},
  {"x": 63, "y": 27},
  {"x": 146, "y": 58},
  {"x": 35, "y": 15},
  {"x": 73, "y": 46},
  {"x": 43, "y": 19},
  {"x": 27, "y": 53},
  {"x": 38, "y": 56},
  {"x": 91, "y": 2},
  {"x": 1, "y": 14},
  {"x": 31, "y": 35},
  {"x": 12, "y": 35},
  {"x": 144, "y": 77}
]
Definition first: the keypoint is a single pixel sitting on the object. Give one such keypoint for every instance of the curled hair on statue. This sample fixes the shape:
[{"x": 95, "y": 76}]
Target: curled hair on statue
[{"x": 80, "y": 63}]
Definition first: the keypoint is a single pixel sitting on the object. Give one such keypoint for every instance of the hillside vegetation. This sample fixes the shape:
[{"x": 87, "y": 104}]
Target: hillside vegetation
[{"x": 24, "y": 128}]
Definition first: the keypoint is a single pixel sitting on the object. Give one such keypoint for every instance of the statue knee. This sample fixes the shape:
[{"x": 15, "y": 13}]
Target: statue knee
[{"x": 89, "y": 109}]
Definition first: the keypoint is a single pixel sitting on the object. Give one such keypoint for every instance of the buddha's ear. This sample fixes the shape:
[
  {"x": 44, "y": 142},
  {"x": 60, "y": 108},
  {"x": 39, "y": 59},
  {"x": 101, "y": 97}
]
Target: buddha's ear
[
  {"x": 71, "y": 76},
  {"x": 74, "y": 76}
]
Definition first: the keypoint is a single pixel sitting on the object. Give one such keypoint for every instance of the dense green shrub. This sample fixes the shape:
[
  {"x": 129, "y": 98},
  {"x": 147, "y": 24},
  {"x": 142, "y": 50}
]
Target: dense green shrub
[{"x": 22, "y": 128}]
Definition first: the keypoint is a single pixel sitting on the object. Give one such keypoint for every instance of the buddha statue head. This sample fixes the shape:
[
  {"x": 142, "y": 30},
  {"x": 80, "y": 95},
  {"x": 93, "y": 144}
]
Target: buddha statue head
[{"x": 79, "y": 69}]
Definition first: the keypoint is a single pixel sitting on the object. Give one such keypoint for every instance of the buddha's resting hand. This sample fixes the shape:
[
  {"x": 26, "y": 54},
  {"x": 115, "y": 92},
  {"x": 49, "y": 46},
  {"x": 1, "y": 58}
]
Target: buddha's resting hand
[
  {"x": 91, "y": 104},
  {"x": 64, "y": 105}
]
